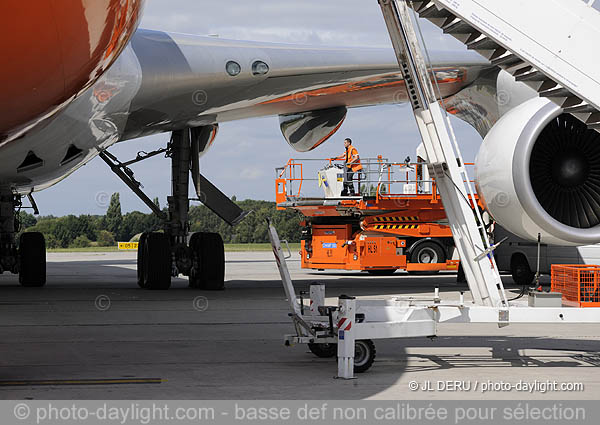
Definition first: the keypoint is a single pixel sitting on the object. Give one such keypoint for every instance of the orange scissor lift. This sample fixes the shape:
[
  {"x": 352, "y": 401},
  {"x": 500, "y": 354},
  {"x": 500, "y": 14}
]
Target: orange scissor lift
[{"x": 397, "y": 221}]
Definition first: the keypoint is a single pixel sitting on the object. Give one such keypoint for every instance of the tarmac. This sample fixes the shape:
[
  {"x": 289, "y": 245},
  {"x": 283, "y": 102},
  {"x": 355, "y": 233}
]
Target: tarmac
[{"x": 91, "y": 333}]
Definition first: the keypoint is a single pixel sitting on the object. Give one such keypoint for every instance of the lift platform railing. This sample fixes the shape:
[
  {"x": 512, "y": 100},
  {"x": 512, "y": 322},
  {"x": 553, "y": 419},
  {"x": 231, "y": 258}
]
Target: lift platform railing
[{"x": 379, "y": 178}]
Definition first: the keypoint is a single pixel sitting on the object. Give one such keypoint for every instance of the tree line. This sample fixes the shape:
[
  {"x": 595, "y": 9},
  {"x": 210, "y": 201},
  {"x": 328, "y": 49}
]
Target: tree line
[{"x": 105, "y": 230}]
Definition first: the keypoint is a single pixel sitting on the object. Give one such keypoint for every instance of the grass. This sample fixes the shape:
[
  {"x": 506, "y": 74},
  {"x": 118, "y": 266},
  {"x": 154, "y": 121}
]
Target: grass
[
  {"x": 87, "y": 249},
  {"x": 234, "y": 247}
]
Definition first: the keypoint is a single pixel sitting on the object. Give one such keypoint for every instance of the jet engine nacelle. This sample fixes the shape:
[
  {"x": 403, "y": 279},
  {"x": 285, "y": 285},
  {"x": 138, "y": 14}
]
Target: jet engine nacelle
[
  {"x": 538, "y": 172},
  {"x": 305, "y": 131}
]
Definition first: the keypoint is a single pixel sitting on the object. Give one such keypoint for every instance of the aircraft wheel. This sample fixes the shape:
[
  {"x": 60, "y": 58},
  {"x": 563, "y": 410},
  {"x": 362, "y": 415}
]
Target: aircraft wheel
[
  {"x": 140, "y": 260},
  {"x": 32, "y": 258},
  {"x": 157, "y": 261},
  {"x": 364, "y": 355},
  {"x": 520, "y": 270},
  {"x": 195, "y": 242},
  {"x": 323, "y": 350},
  {"x": 209, "y": 256}
]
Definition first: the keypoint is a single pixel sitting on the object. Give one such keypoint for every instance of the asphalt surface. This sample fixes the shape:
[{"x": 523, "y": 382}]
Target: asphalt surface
[{"x": 92, "y": 334}]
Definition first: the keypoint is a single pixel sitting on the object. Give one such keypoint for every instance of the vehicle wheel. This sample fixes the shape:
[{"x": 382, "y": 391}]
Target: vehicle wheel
[
  {"x": 427, "y": 252},
  {"x": 520, "y": 270},
  {"x": 364, "y": 355},
  {"x": 140, "y": 260},
  {"x": 387, "y": 272},
  {"x": 157, "y": 261},
  {"x": 323, "y": 350},
  {"x": 32, "y": 259},
  {"x": 209, "y": 256}
]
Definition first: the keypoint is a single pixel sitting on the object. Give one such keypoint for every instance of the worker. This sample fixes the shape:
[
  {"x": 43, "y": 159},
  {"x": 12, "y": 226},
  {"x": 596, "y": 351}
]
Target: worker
[{"x": 351, "y": 165}]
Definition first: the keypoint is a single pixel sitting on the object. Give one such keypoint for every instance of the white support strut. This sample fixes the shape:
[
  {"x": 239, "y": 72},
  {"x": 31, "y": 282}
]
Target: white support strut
[
  {"x": 288, "y": 286},
  {"x": 445, "y": 165}
]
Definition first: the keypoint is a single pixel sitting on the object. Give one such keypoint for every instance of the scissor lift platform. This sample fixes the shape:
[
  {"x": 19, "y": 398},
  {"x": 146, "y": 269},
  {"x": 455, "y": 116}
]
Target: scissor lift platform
[{"x": 398, "y": 221}]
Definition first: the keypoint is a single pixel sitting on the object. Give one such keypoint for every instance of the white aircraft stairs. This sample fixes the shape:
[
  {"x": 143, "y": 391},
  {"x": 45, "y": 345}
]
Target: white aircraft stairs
[{"x": 550, "y": 45}]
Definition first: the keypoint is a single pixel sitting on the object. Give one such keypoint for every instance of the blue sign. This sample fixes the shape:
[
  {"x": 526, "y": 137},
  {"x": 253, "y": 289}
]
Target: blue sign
[
  {"x": 341, "y": 335},
  {"x": 329, "y": 245}
]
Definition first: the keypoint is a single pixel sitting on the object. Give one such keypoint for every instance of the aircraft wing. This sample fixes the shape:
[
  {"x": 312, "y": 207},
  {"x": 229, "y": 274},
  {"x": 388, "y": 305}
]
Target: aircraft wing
[
  {"x": 189, "y": 81},
  {"x": 164, "y": 82}
]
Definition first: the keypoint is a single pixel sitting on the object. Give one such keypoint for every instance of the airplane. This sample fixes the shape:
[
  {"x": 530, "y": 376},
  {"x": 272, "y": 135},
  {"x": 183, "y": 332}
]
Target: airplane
[{"x": 543, "y": 164}]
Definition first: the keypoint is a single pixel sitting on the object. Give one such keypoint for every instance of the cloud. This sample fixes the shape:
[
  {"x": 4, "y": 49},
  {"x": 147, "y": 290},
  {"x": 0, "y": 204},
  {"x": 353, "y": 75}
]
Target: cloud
[{"x": 252, "y": 173}]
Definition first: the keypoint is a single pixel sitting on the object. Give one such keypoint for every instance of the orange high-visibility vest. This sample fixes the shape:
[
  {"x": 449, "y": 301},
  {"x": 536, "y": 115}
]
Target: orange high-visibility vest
[{"x": 350, "y": 152}]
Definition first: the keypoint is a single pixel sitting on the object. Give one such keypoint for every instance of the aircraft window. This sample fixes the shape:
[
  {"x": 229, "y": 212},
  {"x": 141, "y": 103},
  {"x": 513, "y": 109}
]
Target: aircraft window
[
  {"x": 259, "y": 68},
  {"x": 233, "y": 68}
]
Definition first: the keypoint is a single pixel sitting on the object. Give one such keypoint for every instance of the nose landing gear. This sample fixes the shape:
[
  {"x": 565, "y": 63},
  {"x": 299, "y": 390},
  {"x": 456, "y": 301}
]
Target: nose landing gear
[{"x": 28, "y": 259}]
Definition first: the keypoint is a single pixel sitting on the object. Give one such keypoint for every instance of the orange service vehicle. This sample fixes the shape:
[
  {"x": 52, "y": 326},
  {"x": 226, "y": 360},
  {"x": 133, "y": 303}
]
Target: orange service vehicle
[{"x": 396, "y": 222}]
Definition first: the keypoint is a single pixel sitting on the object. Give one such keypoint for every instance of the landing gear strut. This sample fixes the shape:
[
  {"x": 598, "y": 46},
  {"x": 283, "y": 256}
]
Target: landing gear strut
[
  {"x": 167, "y": 254},
  {"x": 28, "y": 259}
]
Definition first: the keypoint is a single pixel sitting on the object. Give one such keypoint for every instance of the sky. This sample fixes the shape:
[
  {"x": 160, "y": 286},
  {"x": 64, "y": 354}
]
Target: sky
[{"x": 245, "y": 154}]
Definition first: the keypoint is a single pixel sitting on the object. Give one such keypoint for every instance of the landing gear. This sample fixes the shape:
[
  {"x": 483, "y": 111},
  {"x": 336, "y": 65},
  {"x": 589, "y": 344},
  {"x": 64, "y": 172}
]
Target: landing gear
[
  {"x": 208, "y": 271},
  {"x": 141, "y": 258},
  {"x": 154, "y": 270},
  {"x": 32, "y": 259},
  {"x": 29, "y": 258},
  {"x": 167, "y": 254}
]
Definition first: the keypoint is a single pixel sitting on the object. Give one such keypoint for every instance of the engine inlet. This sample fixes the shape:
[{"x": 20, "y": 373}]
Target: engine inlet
[{"x": 565, "y": 172}]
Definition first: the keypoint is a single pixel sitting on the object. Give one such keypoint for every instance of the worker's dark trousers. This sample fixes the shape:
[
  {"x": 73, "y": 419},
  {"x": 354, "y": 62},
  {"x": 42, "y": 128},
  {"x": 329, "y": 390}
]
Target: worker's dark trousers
[{"x": 348, "y": 183}]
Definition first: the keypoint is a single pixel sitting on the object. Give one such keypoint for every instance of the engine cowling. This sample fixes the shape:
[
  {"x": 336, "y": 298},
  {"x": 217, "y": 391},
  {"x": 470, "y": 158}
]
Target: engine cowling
[
  {"x": 538, "y": 172},
  {"x": 305, "y": 131}
]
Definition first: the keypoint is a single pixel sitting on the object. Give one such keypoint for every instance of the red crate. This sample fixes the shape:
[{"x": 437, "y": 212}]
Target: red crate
[{"x": 579, "y": 284}]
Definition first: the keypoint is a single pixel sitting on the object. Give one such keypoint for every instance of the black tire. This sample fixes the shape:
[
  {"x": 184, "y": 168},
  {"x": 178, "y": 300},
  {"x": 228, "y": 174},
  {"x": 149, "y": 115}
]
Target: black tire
[
  {"x": 140, "y": 260},
  {"x": 426, "y": 252},
  {"x": 157, "y": 262},
  {"x": 209, "y": 256},
  {"x": 364, "y": 355},
  {"x": 32, "y": 259},
  {"x": 387, "y": 272},
  {"x": 520, "y": 270},
  {"x": 324, "y": 351},
  {"x": 194, "y": 277}
]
